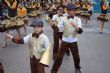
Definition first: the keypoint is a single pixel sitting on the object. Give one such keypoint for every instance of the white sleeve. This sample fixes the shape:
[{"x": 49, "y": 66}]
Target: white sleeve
[
  {"x": 61, "y": 25},
  {"x": 46, "y": 42},
  {"x": 26, "y": 39},
  {"x": 54, "y": 17},
  {"x": 79, "y": 23},
  {"x": 65, "y": 15}
]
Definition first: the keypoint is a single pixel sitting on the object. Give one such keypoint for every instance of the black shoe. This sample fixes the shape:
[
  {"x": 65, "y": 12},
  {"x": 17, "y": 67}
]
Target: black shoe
[
  {"x": 100, "y": 32},
  {"x": 53, "y": 72},
  {"x": 78, "y": 71}
]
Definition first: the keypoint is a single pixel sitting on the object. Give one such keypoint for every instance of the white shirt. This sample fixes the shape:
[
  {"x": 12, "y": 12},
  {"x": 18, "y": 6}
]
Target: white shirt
[
  {"x": 46, "y": 40},
  {"x": 69, "y": 39},
  {"x": 57, "y": 18}
]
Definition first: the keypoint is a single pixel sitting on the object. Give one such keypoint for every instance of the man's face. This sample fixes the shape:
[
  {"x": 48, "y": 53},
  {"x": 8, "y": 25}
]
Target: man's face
[
  {"x": 71, "y": 12},
  {"x": 60, "y": 10},
  {"x": 37, "y": 29}
]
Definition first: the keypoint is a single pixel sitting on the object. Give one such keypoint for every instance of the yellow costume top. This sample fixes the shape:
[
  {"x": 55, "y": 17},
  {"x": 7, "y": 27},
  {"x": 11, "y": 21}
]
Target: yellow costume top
[{"x": 21, "y": 12}]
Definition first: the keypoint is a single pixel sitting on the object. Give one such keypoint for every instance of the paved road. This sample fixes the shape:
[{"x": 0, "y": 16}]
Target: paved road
[{"x": 93, "y": 47}]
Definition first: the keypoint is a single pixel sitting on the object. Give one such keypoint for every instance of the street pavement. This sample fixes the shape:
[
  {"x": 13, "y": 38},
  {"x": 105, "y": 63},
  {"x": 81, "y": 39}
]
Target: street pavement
[{"x": 94, "y": 49}]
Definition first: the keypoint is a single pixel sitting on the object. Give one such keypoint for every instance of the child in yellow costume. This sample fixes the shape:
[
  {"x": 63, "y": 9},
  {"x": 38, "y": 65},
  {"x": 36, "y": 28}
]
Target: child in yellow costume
[
  {"x": 85, "y": 12},
  {"x": 22, "y": 13},
  {"x": 12, "y": 22},
  {"x": 103, "y": 17},
  {"x": 39, "y": 47}
]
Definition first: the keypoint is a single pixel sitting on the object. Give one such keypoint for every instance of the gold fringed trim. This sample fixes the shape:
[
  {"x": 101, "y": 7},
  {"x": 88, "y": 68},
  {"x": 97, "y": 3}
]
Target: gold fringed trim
[
  {"x": 12, "y": 24},
  {"x": 85, "y": 15},
  {"x": 103, "y": 17}
]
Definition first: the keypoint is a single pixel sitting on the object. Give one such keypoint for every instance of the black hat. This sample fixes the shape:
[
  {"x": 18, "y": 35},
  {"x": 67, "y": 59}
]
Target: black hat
[
  {"x": 71, "y": 7},
  {"x": 37, "y": 23}
]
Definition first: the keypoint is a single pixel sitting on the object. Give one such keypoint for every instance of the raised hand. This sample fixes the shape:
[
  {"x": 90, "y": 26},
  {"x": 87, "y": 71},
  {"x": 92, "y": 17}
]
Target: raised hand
[{"x": 74, "y": 25}]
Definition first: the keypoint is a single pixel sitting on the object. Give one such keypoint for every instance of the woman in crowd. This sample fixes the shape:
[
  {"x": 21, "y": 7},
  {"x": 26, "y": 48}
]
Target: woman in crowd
[{"x": 103, "y": 17}]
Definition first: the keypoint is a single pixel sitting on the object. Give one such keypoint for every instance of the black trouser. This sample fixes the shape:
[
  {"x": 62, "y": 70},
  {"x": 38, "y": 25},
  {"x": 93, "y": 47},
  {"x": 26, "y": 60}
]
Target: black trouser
[
  {"x": 1, "y": 68},
  {"x": 75, "y": 53},
  {"x": 36, "y": 67},
  {"x": 56, "y": 42},
  {"x": 57, "y": 36}
]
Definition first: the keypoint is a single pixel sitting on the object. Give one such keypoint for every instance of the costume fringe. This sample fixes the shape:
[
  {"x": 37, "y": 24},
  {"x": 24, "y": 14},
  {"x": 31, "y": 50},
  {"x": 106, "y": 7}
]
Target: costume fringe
[
  {"x": 103, "y": 17},
  {"x": 85, "y": 14},
  {"x": 11, "y": 23}
]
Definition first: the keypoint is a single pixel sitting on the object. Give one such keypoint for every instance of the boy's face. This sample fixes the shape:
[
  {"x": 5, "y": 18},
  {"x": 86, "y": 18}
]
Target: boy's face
[
  {"x": 37, "y": 29},
  {"x": 60, "y": 11},
  {"x": 71, "y": 12}
]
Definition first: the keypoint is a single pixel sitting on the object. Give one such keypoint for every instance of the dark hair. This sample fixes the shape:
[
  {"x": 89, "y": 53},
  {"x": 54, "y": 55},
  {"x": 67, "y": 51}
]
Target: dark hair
[
  {"x": 38, "y": 23},
  {"x": 60, "y": 6}
]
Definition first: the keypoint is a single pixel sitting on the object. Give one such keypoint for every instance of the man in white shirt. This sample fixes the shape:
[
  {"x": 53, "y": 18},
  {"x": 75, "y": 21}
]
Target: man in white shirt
[
  {"x": 56, "y": 19},
  {"x": 38, "y": 43},
  {"x": 70, "y": 26}
]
